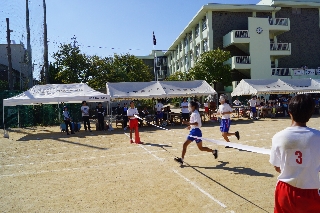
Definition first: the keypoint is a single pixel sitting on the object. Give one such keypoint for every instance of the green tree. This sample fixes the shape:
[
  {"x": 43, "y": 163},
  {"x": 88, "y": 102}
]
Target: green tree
[
  {"x": 73, "y": 65},
  {"x": 211, "y": 67},
  {"x": 179, "y": 76}
]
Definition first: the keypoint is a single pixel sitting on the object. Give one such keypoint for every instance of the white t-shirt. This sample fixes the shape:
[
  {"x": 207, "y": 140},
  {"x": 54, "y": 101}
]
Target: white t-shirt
[
  {"x": 159, "y": 107},
  {"x": 237, "y": 102},
  {"x": 195, "y": 117},
  {"x": 85, "y": 110},
  {"x": 132, "y": 112},
  {"x": 252, "y": 102},
  {"x": 224, "y": 108},
  {"x": 296, "y": 150},
  {"x": 184, "y": 104},
  {"x": 206, "y": 104}
]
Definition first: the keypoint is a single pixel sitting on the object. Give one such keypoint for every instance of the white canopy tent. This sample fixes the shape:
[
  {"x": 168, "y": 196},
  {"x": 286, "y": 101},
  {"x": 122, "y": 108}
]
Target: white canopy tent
[
  {"x": 55, "y": 94},
  {"x": 187, "y": 88},
  {"x": 276, "y": 86},
  {"x": 135, "y": 90},
  {"x": 160, "y": 89}
]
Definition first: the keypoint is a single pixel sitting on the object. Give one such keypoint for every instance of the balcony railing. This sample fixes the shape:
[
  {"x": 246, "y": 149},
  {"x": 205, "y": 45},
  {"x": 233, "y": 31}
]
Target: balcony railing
[
  {"x": 280, "y": 71},
  {"x": 242, "y": 60},
  {"x": 241, "y": 34},
  {"x": 280, "y": 46},
  {"x": 279, "y": 21}
]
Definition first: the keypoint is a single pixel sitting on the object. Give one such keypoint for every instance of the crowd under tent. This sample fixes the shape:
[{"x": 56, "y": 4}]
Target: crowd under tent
[
  {"x": 276, "y": 86},
  {"x": 55, "y": 94},
  {"x": 158, "y": 89}
]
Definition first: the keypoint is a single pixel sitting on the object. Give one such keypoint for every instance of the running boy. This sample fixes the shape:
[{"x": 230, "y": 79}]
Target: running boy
[
  {"x": 295, "y": 154},
  {"x": 133, "y": 122},
  {"x": 225, "y": 110},
  {"x": 194, "y": 127}
]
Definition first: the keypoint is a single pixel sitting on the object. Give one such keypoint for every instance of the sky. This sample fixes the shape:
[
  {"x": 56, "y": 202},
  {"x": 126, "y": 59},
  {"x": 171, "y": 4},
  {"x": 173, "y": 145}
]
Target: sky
[{"x": 102, "y": 27}]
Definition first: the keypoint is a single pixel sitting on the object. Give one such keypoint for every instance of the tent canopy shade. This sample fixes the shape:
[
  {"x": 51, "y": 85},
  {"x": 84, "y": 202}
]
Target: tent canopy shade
[
  {"x": 275, "y": 86},
  {"x": 159, "y": 89},
  {"x": 56, "y": 93}
]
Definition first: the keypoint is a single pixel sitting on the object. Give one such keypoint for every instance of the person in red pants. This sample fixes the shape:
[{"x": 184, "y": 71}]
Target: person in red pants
[{"x": 133, "y": 123}]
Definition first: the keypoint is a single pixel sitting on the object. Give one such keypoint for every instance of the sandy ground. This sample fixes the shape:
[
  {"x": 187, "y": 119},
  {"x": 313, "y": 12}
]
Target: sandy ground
[{"x": 44, "y": 170}]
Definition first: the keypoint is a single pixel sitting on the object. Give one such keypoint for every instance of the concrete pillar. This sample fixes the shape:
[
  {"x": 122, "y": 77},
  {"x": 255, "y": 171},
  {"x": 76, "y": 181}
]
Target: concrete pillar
[{"x": 210, "y": 31}]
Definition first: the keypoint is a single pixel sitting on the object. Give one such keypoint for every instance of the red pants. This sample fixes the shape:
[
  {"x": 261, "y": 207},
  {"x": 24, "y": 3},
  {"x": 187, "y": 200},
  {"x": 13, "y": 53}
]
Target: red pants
[
  {"x": 133, "y": 124},
  {"x": 290, "y": 199}
]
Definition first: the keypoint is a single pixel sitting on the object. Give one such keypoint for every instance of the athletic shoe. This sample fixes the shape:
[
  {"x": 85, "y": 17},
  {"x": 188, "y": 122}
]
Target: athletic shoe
[
  {"x": 227, "y": 147},
  {"x": 215, "y": 154},
  {"x": 237, "y": 135},
  {"x": 139, "y": 142},
  {"x": 125, "y": 128},
  {"x": 179, "y": 160},
  {"x": 131, "y": 141}
]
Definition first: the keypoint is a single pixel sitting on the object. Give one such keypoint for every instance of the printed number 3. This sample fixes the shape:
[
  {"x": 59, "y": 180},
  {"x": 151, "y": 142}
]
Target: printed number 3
[{"x": 299, "y": 158}]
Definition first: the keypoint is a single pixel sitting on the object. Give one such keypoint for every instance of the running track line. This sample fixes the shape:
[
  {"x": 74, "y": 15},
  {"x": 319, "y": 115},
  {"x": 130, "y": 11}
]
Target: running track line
[{"x": 186, "y": 179}]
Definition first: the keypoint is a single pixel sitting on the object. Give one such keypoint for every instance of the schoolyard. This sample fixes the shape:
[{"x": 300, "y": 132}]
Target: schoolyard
[{"x": 44, "y": 170}]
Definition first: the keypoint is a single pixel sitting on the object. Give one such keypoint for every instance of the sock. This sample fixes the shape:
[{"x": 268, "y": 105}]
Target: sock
[{"x": 182, "y": 159}]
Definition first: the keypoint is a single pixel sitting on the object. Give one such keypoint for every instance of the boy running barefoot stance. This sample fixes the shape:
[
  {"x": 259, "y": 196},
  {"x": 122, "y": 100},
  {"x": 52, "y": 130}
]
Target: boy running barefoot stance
[{"x": 195, "y": 132}]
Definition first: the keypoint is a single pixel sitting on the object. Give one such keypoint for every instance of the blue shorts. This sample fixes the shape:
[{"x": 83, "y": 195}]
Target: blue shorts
[
  {"x": 159, "y": 115},
  {"x": 253, "y": 109},
  {"x": 195, "y": 132},
  {"x": 225, "y": 125}
]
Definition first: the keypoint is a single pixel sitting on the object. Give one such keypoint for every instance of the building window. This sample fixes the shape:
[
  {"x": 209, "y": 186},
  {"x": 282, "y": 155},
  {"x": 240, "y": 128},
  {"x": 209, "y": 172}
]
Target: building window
[
  {"x": 205, "y": 45},
  {"x": 191, "y": 56},
  {"x": 178, "y": 65},
  {"x": 180, "y": 48},
  {"x": 197, "y": 30},
  {"x": 186, "y": 60},
  {"x": 197, "y": 51},
  {"x": 296, "y": 10},
  {"x": 204, "y": 23},
  {"x": 190, "y": 37},
  {"x": 185, "y": 41}
]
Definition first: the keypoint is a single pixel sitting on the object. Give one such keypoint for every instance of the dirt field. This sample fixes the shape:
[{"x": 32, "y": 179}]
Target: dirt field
[{"x": 43, "y": 170}]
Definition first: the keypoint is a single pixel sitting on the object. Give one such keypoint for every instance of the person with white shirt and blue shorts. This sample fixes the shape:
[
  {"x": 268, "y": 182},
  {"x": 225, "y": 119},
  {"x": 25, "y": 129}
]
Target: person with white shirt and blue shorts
[
  {"x": 195, "y": 133},
  {"x": 225, "y": 110}
]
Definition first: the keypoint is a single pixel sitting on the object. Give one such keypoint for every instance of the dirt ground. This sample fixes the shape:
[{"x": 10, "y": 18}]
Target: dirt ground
[{"x": 44, "y": 170}]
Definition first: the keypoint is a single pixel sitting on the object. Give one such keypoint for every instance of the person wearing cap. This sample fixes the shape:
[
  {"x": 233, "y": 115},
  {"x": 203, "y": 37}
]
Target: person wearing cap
[
  {"x": 67, "y": 120},
  {"x": 85, "y": 115},
  {"x": 133, "y": 123},
  {"x": 225, "y": 111},
  {"x": 100, "y": 114}
]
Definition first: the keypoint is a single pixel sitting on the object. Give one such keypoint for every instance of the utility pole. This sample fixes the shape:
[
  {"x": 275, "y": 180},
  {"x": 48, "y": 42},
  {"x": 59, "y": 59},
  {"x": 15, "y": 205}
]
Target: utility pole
[
  {"x": 10, "y": 73},
  {"x": 45, "y": 37},
  {"x": 29, "y": 72}
]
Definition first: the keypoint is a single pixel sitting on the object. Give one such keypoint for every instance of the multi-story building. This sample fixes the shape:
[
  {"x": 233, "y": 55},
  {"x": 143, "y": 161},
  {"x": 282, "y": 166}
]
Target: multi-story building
[{"x": 272, "y": 39}]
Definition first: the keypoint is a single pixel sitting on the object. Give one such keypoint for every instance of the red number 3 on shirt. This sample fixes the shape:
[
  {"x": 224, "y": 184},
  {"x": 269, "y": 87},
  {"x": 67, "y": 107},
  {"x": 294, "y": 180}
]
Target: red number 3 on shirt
[{"x": 299, "y": 157}]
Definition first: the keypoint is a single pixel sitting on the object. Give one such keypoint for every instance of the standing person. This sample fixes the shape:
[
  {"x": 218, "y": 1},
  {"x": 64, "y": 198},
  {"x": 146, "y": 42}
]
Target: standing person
[
  {"x": 253, "y": 104},
  {"x": 184, "y": 109},
  {"x": 295, "y": 154},
  {"x": 237, "y": 103},
  {"x": 125, "y": 117},
  {"x": 100, "y": 115},
  {"x": 119, "y": 111},
  {"x": 67, "y": 120},
  {"x": 85, "y": 116},
  {"x": 285, "y": 106},
  {"x": 133, "y": 123},
  {"x": 195, "y": 133},
  {"x": 225, "y": 110},
  {"x": 206, "y": 108},
  {"x": 159, "y": 108}
]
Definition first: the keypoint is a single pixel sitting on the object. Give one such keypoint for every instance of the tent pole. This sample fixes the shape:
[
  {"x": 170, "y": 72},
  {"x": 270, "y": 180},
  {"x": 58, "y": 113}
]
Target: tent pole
[{"x": 59, "y": 111}]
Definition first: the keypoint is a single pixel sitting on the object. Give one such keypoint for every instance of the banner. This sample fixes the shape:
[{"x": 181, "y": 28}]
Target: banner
[
  {"x": 310, "y": 72},
  {"x": 298, "y": 72}
]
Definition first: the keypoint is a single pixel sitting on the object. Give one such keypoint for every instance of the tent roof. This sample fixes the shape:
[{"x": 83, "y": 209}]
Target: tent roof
[
  {"x": 187, "y": 88},
  {"x": 275, "y": 86},
  {"x": 55, "y": 93},
  {"x": 160, "y": 89}
]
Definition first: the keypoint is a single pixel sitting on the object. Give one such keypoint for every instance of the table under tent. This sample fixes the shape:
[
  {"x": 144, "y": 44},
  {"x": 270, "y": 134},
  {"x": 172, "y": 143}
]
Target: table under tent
[{"x": 55, "y": 94}]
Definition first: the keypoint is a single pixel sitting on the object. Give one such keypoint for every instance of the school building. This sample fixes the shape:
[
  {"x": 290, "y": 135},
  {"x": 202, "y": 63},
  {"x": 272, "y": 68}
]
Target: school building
[{"x": 272, "y": 39}]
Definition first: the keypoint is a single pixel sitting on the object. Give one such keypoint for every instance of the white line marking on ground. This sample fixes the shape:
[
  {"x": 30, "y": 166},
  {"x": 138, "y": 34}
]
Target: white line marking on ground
[{"x": 201, "y": 190}]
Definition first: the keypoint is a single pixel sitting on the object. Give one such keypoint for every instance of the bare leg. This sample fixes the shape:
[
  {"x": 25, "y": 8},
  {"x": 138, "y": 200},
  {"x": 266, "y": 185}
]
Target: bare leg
[
  {"x": 184, "y": 150},
  {"x": 203, "y": 148},
  {"x": 226, "y": 134}
]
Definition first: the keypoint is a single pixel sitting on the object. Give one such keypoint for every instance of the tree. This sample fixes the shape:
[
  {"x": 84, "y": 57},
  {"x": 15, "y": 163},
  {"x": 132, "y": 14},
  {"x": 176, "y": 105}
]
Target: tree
[
  {"x": 211, "y": 67},
  {"x": 179, "y": 76},
  {"x": 73, "y": 65}
]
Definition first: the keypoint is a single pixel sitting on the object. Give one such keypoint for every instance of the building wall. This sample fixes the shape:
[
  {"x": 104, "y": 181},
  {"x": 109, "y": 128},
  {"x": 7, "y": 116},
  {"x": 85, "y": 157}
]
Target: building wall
[{"x": 304, "y": 36}]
